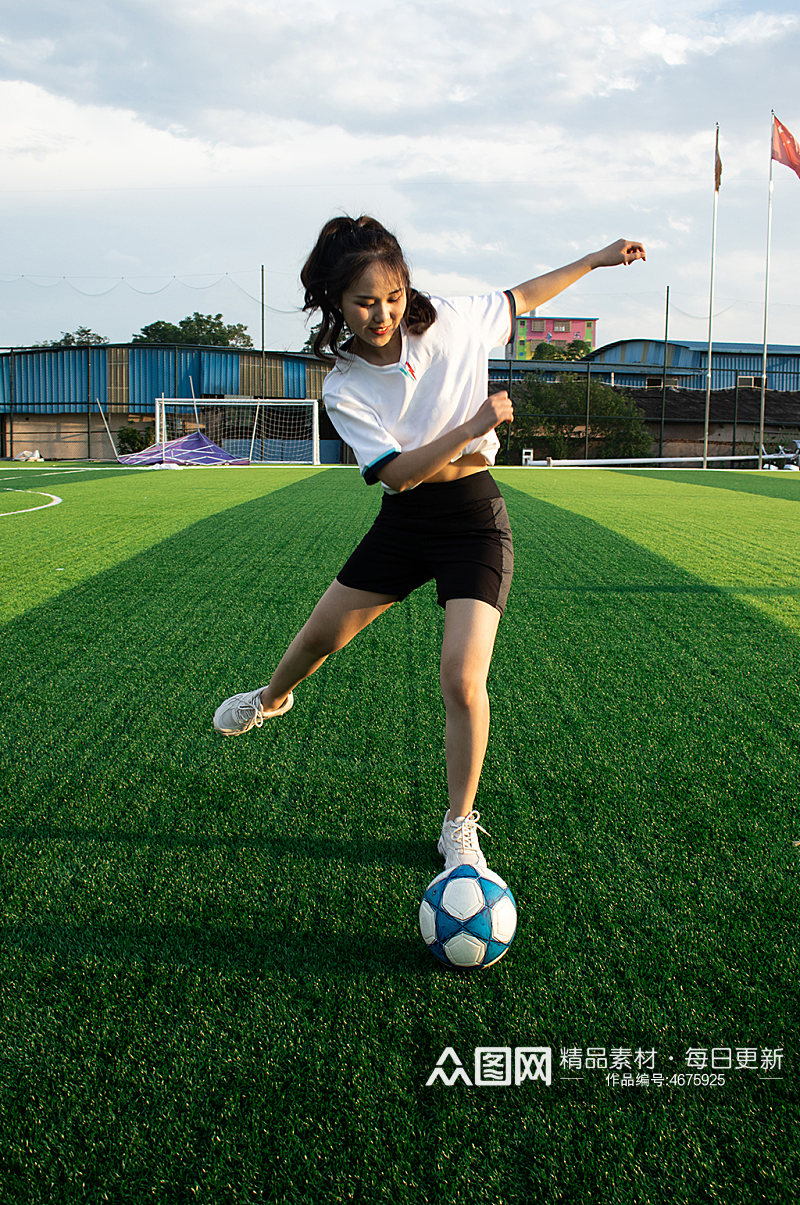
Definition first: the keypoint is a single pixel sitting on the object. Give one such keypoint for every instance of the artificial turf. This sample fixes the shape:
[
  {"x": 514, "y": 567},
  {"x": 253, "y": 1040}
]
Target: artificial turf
[{"x": 213, "y": 984}]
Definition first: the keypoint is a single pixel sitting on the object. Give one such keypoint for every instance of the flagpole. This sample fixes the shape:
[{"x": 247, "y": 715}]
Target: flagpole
[
  {"x": 664, "y": 377},
  {"x": 711, "y": 304},
  {"x": 766, "y": 301}
]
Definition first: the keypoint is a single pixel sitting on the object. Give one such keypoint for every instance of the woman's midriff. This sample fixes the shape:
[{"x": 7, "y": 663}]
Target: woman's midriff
[{"x": 463, "y": 467}]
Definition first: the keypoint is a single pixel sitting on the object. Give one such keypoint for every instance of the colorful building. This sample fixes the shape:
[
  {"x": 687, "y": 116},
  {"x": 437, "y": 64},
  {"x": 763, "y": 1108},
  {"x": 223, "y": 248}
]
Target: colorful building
[{"x": 533, "y": 329}]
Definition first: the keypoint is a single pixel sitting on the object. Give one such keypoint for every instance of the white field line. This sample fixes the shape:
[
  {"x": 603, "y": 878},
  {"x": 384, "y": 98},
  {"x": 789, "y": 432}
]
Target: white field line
[
  {"x": 54, "y": 501},
  {"x": 57, "y": 471}
]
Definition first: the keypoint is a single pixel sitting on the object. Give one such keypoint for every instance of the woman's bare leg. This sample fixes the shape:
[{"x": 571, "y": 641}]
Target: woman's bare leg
[
  {"x": 339, "y": 615},
  {"x": 470, "y": 629}
]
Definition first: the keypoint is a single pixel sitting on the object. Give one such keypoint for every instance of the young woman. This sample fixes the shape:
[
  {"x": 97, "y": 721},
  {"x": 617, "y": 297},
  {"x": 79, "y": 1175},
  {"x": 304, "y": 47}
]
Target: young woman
[{"x": 407, "y": 392}]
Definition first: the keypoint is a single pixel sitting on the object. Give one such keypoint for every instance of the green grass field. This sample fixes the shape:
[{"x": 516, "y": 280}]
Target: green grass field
[{"x": 213, "y": 987}]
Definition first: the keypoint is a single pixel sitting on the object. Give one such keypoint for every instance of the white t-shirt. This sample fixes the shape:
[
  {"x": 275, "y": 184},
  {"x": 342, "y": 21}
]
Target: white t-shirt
[{"x": 439, "y": 382}]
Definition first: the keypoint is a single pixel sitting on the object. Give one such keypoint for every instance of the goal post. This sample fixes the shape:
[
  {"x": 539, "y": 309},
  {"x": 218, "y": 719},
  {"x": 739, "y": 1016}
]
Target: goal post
[{"x": 259, "y": 430}]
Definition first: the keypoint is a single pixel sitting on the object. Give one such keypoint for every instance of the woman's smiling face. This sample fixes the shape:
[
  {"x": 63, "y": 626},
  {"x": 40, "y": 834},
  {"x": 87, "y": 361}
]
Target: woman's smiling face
[{"x": 373, "y": 306}]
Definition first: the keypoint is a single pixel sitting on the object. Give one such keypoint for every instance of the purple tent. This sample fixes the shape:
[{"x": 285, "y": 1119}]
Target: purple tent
[{"x": 194, "y": 448}]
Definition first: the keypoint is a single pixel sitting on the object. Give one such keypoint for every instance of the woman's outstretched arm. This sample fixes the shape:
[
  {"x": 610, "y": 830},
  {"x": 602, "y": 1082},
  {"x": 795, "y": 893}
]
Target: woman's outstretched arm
[{"x": 535, "y": 292}]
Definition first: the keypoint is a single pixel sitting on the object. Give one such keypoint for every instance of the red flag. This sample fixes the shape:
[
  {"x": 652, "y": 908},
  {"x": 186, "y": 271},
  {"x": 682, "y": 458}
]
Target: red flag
[
  {"x": 717, "y": 165},
  {"x": 784, "y": 148}
]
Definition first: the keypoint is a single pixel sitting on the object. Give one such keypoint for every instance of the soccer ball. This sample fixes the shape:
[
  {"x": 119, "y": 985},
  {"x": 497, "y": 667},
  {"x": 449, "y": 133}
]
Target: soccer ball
[{"x": 468, "y": 917}]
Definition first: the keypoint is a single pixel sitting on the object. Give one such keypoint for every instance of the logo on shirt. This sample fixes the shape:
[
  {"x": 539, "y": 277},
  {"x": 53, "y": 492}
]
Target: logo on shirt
[{"x": 408, "y": 370}]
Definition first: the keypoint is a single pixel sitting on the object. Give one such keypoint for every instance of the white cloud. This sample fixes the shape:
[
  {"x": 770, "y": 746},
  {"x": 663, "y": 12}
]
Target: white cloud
[
  {"x": 331, "y": 62},
  {"x": 50, "y": 141},
  {"x": 710, "y": 37},
  {"x": 179, "y": 136}
]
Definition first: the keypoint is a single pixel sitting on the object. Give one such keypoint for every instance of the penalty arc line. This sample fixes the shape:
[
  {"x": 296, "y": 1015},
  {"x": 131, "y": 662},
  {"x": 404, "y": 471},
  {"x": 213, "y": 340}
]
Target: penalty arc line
[{"x": 54, "y": 501}]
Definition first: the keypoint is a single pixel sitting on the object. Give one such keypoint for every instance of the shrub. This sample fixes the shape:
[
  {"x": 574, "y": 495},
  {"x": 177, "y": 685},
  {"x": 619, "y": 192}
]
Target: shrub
[
  {"x": 134, "y": 439},
  {"x": 551, "y": 419}
]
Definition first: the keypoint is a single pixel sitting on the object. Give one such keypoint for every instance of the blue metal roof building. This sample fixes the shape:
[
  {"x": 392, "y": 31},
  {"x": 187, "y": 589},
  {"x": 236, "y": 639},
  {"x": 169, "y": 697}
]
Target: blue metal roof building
[
  {"x": 129, "y": 377},
  {"x": 637, "y": 363},
  {"x": 631, "y": 359},
  {"x": 125, "y": 380}
]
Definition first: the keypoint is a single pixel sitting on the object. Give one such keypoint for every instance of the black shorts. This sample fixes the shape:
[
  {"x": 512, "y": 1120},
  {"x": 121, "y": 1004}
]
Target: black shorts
[{"x": 455, "y": 532}]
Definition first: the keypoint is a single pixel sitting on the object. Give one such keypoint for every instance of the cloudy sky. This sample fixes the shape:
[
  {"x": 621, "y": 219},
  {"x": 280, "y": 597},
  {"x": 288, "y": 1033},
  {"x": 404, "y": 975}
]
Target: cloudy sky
[{"x": 155, "y": 153}]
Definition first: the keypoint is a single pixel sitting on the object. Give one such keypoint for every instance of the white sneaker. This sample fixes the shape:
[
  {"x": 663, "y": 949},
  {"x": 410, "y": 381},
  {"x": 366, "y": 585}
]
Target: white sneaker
[
  {"x": 242, "y": 712},
  {"x": 458, "y": 843}
]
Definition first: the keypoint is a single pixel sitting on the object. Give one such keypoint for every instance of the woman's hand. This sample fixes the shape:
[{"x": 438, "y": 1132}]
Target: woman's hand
[
  {"x": 420, "y": 464},
  {"x": 495, "y": 410},
  {"x": 539, "y": 289},
  {"x": 624, "y": 251}
]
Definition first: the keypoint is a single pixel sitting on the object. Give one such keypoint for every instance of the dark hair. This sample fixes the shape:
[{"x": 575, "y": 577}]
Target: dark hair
[{"x": 345, "y": 248}]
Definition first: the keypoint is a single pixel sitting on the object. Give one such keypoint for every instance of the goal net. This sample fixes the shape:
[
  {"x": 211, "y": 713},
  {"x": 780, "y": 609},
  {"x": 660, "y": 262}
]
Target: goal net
[{"x": 259, "y": 430}]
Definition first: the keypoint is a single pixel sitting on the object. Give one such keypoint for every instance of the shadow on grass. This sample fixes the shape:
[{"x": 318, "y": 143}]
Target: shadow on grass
[
  {"x": 259, "y": 951},
  {"x": 356, "y": 851},
  {"x": 784, "y": 486},
  {"x": 683, "y": 588},
  {"x": 166, "y": 967},
  {"x": 641, "y": 701}
]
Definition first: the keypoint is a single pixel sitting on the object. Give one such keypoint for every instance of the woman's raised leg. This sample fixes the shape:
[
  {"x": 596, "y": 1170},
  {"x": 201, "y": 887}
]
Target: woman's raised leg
[{"x": 339, "y": 615}]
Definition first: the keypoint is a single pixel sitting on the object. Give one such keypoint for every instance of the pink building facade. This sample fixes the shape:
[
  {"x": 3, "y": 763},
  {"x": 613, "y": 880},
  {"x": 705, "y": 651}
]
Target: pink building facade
[{"x": 532, "y": 330}]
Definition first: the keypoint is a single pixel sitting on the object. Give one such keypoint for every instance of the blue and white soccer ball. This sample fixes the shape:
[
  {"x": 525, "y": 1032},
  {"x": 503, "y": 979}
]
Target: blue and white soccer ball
[{"x": 468, "y": 917}]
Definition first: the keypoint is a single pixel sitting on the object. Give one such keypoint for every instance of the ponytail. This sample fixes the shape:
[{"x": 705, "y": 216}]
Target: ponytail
[{"x": 345, "y": 248}]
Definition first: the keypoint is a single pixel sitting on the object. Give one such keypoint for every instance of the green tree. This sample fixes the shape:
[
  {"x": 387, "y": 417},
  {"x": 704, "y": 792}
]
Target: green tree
[
  {"x": 312, "y": 334},
  {"x": 546, "y": 351},
  {"x": 199, "y": 330},
  {"x": 551, "y": 418},
  {"x": 81, "y": 337},
  {"x": 575, "y": 350}
]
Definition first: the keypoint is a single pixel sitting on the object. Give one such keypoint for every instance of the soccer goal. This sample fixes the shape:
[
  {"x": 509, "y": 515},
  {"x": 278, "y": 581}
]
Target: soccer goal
[{"x": 259, "y": 430}]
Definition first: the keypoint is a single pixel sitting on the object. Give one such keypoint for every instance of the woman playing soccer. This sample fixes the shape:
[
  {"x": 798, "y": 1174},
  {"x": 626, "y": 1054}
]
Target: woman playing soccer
[{"x": 407, "y": 392}]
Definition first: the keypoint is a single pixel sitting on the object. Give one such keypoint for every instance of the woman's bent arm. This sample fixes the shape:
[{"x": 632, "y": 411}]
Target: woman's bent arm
[{"x": 410, "y": 468}]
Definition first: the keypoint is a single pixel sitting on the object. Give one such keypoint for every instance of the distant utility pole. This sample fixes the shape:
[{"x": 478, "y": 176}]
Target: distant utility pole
[
  {"x": 664, "y": 378},
  {"x": 263, "y": 346}
]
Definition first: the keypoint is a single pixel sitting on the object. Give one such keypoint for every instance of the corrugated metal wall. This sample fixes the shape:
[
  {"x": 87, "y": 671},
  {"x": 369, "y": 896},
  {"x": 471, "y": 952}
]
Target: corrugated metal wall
[
  {"x": 56, "y": 381},
  {"x": 151, "y": 372},
  {"x": 315, "y": 375},
  {"x": 5, "y": 383},
  {"x": 117, "y": 380},
  {"x": 253, "y": 369},
  {"x": 628, "y": 359},
  {"x": 294, "y": 378},
  {"x": 128, "y": 378},
  {"x": 219, "y": 373},
  {"x": 139, "y": 374},
  {"x": 189, "y": 373}
]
